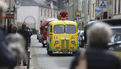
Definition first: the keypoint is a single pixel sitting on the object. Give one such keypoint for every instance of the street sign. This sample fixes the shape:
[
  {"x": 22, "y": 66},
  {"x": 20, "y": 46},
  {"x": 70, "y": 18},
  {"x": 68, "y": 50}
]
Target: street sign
[
  {"x": 98, "y": 10},
  {"x": 9, "y": 16},
  {"x": 103, "y": 4},
  {"x": 78, "y": 14},
  {"x": 17, "y": 4}
]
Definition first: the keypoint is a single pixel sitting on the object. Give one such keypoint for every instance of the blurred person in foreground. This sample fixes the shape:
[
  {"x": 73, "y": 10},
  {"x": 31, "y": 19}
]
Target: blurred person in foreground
[
  {"x": 29, "y": 37},
  {"x": 14, "y": 29},
  {"x": 96, "y": 55},
  {"x": 7, "y": 60},
  {"x": 16, "y": 44},
  {"x": 24, "y": 32}
]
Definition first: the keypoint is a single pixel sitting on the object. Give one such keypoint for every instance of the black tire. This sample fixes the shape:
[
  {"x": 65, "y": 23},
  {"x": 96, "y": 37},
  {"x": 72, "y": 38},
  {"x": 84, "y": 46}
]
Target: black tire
[
  {"x": 74, "y": 52},
  {"x": 47, "y": 50},
  {"x": 39, "y": 40},
  {"x": 43, "y": 45},
  {"x": 37, "y": 37},
  {"x": 49, "y": 53}
]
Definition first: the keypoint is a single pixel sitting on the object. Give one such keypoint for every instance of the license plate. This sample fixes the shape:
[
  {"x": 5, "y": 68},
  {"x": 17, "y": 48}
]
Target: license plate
[{"x": 65, "y": 50}]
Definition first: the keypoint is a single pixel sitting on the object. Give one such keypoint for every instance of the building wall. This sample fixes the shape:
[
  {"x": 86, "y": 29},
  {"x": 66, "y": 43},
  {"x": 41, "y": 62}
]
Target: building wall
[
  {"x": 116, "y": 4},
  {"x": 10, "y": 4},
  {"x": 46, "y": 13},
  {"x": 92, "y": 5},
  {"x": 114, "y": 8},
  {"x": 72, "y": 9},
  {"x": 29, "y": 15},
  {"x": 110, "y": 8},
  {"x": 105, "y": 12}
]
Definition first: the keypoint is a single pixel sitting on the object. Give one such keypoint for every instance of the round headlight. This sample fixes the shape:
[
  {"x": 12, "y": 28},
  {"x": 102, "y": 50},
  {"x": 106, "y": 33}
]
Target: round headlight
[
  {"x": 56, "y": 42},
  {"x": 55, "y": 37},
  {"x": 73, "y": 42}
]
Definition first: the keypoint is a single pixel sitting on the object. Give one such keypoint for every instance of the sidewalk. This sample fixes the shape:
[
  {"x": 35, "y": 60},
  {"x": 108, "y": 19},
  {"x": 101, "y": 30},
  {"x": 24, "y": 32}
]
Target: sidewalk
[
  {"x": 31, "y": 64},
  {"x": 21, "y": 67}
]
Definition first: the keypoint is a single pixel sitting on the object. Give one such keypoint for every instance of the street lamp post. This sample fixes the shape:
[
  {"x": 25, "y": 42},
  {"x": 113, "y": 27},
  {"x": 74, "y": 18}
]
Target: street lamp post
[
  {"x": 9, "y": 11},
  {"x": 85, "y": 13},
  {"x": 15, "y": 11},
  {"x": 17, "y": 5}
]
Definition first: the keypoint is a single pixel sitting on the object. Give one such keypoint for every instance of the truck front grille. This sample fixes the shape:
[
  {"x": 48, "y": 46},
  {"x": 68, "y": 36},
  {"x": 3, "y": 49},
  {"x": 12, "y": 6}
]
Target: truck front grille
[{"x": 65, "y": 44}]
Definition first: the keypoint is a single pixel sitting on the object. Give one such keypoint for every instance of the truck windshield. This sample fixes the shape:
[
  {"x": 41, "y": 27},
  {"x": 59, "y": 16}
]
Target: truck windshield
[
  {"x": 59, "y": 29},
  {"x": 69, "y": 29}
]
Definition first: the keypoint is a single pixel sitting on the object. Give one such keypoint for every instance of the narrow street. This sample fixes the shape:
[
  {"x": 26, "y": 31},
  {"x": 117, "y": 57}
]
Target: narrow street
[{"x": 40, "y": 59}]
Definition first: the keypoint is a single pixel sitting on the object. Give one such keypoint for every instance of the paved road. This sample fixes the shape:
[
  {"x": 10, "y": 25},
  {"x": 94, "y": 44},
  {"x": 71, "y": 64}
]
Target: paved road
[{"x": 40, "y": 59}]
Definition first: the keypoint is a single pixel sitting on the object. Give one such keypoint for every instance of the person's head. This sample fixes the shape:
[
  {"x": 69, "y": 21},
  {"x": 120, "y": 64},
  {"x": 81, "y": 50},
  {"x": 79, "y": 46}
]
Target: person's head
[
  {"x": 14, "y": 29},
  {"x": 23, "y": 26},
  {"x": 99, "y": 34},
  {"x": 3, "y": 9},
  {"x": 27, "y": 27}
]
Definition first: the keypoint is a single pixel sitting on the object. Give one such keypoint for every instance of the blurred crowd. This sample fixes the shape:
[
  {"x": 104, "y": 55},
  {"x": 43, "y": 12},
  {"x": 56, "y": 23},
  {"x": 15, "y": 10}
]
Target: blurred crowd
[{"x": 14, "y": 42}]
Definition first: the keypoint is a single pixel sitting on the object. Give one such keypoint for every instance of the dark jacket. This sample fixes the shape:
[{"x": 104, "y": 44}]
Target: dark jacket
[
  {"x": 29, "y": 38},
  {"x": 98, "y": 59},
  {"x": 6, "y": 59},
  {"x": 25, "y": 34}
]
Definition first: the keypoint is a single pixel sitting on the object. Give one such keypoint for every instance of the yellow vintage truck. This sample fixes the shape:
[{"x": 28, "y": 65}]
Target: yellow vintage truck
[{"x": 62, "y": 36}]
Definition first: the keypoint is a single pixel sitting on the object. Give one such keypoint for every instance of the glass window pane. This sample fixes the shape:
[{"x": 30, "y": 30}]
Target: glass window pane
[
  {"x": 70, "y": 29},
  {"x": 116, "y": 35},
  {"x": 59, "y": 29}
]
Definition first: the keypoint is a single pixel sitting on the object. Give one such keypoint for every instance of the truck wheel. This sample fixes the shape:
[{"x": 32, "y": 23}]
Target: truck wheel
[
  {"x": 73, "y": 53},
  {"x": 49, "y": 53},
  {"x": 43, "y": 45},
  {"x": 39, "y": 40}
]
